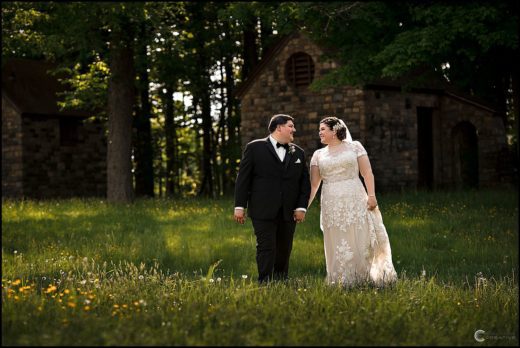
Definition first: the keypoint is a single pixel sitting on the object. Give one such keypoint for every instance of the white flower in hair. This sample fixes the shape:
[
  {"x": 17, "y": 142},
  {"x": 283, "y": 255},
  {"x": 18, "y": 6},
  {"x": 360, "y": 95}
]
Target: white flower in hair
[{"x": 337, "y": 127}]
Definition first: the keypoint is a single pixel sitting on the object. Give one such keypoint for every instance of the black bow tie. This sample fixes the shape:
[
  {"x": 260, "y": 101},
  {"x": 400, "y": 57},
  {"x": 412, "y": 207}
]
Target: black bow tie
[{"x": 286, "y": 146}]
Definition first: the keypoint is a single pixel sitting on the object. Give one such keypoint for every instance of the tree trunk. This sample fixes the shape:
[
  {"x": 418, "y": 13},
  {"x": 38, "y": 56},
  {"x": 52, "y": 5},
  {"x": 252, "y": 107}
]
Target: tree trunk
[
  {"x": 232, "y": 125},
  {"x": 266, "y": 34},
  {"x": 515, "y": 81},
  {"x": 120, "y": 104},
  {"x": 143, "y": 153},
  {"x": 170, "y": 133},
  {"x": 207, "y": 170},
  {"x": 222, "y": 134},
  {"x": 250, "y": 48},
  {"x": 516, "y": 108}
]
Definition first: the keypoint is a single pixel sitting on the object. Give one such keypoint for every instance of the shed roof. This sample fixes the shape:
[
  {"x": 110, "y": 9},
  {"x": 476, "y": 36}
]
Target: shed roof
[
  {"x": 32, "y": 89},
  {"x": 431, "y": 84},
  {"x": 257, "y": 70}
]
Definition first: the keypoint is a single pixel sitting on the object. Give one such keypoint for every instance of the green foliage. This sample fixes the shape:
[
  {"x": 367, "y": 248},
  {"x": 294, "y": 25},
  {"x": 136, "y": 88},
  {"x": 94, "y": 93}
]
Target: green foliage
[
  {"x": 20, "y": 34},
  {"x": 88, "y": 90},
  {"x": 381, "y": 39},
  {"x": 281, "y": 16},
  {"x": 441, "y": 33},
  {"x": 181, "y": 272}
]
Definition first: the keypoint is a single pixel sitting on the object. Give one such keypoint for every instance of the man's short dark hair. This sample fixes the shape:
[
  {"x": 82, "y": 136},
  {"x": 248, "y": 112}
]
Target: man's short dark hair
[{"x": 279, "y": 120}]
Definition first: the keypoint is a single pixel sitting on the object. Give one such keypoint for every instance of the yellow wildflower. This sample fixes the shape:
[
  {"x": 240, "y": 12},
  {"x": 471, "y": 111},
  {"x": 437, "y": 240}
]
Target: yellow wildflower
[
  {"x": 50, "y": 289},
  {"x": 23, "y": 288}
]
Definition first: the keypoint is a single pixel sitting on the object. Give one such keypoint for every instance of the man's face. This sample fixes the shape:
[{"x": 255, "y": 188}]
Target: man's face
[{"x": 286, "y": 132}]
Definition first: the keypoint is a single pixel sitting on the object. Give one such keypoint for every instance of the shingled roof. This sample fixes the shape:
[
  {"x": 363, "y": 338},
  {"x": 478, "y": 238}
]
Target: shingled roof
[{"x": 32, "y": 89}]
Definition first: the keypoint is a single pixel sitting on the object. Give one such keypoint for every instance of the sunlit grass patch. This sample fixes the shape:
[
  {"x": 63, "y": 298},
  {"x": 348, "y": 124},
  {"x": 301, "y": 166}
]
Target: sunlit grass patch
[{"x": 175, "y": 272}]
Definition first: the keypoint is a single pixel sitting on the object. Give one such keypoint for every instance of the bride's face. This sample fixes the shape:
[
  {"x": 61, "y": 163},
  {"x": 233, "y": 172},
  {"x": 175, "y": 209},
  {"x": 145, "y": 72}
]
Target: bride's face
[{"x": 326, "y": 134}]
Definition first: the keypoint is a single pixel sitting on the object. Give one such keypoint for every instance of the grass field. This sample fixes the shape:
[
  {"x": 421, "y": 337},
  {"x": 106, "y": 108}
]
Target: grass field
[{"x": 181, "y": 272}]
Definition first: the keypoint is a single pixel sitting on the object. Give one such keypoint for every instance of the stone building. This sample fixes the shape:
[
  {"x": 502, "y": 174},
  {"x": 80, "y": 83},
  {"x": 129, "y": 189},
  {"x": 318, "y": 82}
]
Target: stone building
[
  {"x": 47, "y": 153},
  {"x": 420, "y": 138}
]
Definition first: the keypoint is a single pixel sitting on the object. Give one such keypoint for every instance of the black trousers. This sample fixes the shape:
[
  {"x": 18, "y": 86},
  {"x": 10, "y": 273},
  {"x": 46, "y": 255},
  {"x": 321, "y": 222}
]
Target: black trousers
[{"x": 274, "y": 240}]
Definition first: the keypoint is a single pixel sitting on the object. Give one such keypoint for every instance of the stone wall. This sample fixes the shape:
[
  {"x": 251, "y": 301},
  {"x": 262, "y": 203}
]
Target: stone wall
[
  {"x": 63, "y": 165},
  {"x": 271, "y": 94},
  {"x": 493, "y": 156},
  {"x": 12, "y": 168},
  {"x": 384, "y": 120},
  {"x": 391, "y": 136}
]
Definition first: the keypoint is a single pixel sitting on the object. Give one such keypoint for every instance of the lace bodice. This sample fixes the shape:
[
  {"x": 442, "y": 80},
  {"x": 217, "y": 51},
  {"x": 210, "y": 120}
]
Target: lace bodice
[{"x": 339, "y": 162}]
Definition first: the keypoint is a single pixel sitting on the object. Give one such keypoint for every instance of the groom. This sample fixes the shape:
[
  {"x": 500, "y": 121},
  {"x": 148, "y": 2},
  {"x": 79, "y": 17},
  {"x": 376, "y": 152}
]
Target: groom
[{"x": 273, "y": 184}]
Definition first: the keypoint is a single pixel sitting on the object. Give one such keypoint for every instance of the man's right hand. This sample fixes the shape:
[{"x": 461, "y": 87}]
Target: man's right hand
[{"x": 240, "y": 216}]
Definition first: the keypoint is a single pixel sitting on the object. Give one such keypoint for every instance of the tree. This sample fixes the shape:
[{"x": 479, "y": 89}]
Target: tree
[
  {"x": 127, "y": 60},
  {"x": 472, "y": 45},
  {"x": 121, "y": 99},
  {"x": 142, "y": 137}
]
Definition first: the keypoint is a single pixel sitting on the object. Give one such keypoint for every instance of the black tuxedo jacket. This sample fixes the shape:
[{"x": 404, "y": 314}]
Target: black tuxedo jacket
[{"x": 265, "y": 184}]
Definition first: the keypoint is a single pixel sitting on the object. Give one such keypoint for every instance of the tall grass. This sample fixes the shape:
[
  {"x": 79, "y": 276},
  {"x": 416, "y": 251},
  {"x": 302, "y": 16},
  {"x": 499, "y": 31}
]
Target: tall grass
[{"x": 181, "y": 272}]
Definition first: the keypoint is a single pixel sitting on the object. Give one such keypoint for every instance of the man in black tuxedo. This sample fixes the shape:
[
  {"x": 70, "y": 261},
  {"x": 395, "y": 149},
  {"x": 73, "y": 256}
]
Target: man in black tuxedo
[{"x": 273, "y": 184}]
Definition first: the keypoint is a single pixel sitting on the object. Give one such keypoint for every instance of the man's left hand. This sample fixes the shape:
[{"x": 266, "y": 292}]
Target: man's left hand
[{"x": 299, "y": 216}]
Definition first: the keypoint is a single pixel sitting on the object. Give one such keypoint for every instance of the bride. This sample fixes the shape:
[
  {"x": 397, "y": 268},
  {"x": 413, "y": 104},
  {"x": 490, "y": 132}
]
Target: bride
[{"x": 357, "y": 249}]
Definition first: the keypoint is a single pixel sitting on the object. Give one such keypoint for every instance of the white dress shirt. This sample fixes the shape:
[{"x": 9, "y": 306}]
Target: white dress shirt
[{"x": 279, "y": 150}]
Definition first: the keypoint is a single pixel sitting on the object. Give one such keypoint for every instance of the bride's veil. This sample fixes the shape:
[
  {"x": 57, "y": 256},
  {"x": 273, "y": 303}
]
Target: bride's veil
[{"x": 348, "y": 139}]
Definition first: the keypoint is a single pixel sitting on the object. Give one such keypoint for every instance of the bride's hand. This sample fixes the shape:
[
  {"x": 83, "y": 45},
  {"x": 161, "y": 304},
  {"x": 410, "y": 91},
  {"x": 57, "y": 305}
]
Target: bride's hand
[{"x": 371, "y": 203}]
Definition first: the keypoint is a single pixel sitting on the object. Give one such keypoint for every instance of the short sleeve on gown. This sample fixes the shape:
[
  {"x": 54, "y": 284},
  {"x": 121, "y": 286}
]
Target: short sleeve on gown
[
  {"x": 359, "y": 149},
  {"x": 314, "y": 159}
]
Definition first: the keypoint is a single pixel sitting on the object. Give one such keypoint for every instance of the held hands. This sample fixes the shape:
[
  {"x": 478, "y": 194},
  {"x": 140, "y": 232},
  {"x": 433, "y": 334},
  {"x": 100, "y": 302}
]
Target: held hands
[
  {"x": 299, "y": 216},
  {"x": 371, "y": 202},
  {"x": 240, "y": 216}
]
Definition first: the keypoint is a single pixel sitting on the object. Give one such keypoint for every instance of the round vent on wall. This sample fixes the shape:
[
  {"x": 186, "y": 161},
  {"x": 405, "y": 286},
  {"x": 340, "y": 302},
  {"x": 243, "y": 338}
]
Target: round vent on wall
[{"x": 299, "y": 70}]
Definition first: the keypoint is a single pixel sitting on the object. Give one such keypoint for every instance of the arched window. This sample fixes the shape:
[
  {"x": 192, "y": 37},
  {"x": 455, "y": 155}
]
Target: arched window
[{"x": 299, "y": 70}]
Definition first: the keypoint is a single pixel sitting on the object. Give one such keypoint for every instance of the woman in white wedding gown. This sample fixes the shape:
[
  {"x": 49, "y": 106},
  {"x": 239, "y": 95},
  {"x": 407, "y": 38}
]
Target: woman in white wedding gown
[{"x": 357, "y": 249}]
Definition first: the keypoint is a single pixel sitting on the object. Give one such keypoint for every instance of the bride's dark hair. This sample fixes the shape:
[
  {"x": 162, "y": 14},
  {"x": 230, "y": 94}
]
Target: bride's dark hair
[{"x": 331, "y": 122}]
